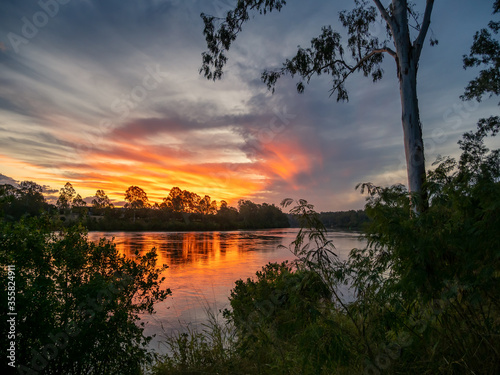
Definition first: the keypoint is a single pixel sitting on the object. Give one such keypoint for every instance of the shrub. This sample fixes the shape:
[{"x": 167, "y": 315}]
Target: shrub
[
  {"x": 434, "y": 277},
  {"x": 77, "y": 302}
]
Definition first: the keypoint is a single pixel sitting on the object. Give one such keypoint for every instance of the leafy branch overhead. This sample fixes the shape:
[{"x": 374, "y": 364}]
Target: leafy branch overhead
[
  {"x": 219, "y": 38},
  {"x": 484, "y": 52},
  {"x": 363, "y": 52},
  {"x": 327, "y": 54}
]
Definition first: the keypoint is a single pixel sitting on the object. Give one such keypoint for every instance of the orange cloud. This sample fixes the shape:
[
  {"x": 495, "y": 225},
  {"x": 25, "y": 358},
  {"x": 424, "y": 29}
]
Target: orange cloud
[
  {"x": 116, "y": 164},
  {"x": 157, "y": 171},
  {"x": 287, "y": 161}
]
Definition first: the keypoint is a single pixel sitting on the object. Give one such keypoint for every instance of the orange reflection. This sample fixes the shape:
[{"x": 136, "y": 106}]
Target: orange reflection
[
  {"x": 198, "y": 254},
  {"x": 203, "y": 267}
]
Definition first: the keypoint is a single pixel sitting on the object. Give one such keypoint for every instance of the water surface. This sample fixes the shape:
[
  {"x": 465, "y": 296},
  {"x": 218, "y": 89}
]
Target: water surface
[{"x": 203, "y": 267}]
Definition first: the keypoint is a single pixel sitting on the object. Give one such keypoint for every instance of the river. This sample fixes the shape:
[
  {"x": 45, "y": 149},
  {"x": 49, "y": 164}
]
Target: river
[{"x": 203, "y": 267}]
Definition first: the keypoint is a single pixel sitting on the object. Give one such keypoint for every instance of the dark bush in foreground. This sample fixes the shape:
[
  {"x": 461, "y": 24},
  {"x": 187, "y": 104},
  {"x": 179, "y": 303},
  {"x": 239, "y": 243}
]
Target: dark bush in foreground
[
  {"x": 426, "y": 286},
  {"x": 77, "y": 302}
]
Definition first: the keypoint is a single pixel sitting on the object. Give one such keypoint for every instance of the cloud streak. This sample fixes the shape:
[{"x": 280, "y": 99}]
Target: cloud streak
[{"x": 121, "y": 103}]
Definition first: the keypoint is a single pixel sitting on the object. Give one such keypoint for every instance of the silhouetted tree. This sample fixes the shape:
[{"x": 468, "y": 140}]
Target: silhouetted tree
[
  {"x": 344, "y": 219},
  {"x": 25, "y": 200},
  {"x": 101, "y": 201},
  {"x": 213, "y": 208},
  {"x": 248, "y": 212},
  {"x": 136, "y": 198},
  {"x": 204, "y": 207},
  {"x": 327, "y": 55},
  {"x": 227, "y": 217},
  {"x": 223, "y": 204},
  {"x": 190, "y": 201},
  {"x": 261, "y": 215},
  {"x": 9, "y": 202},
  {"x": 485, "y": 53},
  {"x": 66, "y": 196},
  {"x": 174, "y": 201},
  {"x": 32, "y": 197},
  {"x": 79, "y": 205}
]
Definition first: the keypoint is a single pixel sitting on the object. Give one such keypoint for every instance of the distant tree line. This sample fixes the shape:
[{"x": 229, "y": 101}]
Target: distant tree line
[
  {"x": 350, "y": 220},
  {"x": 344, "y": 219},
  {"x": 180, "y": 210},
  {"x": 25, "y": 200}
]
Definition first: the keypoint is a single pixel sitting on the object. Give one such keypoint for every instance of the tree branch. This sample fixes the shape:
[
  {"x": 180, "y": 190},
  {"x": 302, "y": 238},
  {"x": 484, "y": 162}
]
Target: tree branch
[
  {"x": 374, "y": 52},
  {"x": 384, "y": 14},
  {"x": 419, "y": 42},
  {"x": 360, "y": 63},
  {"x": 221, "y": 32},
  {"x": 387, "y": 50}
]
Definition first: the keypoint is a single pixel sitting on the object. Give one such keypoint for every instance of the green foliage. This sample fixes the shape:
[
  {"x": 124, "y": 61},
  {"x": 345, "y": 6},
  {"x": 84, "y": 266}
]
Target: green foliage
[
  {"x": 484, "y": 53},
  {"x": 25, "y": 200},
  {"x": 258, "y": 216},
  {"x": 209, "y": 351},
  {"x": 283, "y": 320},
  {"x": 66, "y": 196},
  {"x": 279, "y": 323},
  {"x": 352, "y": 220},
  {"x": 440, "y": 268},
  {"x": 426, "y": 285},
  {"x": 279, "y": 299},
  {"x": 77, "y": 302}
]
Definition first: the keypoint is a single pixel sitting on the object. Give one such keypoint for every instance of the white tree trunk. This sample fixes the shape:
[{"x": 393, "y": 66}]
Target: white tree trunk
[
  {"x": 407, "y": 63},
  {"x": 412, "y": 128}
]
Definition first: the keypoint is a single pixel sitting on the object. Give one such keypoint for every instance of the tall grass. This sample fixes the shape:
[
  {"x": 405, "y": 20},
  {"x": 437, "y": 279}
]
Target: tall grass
[{"x": 210, "y": 350}]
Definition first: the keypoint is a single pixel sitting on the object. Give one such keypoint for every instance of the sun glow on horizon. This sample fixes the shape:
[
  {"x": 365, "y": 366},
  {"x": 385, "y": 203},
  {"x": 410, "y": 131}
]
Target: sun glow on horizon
[{"x": 125, "y": 158}]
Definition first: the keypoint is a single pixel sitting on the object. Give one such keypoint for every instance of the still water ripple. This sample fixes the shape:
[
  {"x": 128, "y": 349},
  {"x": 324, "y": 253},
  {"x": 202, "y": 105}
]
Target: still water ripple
[{"x": 203, "y": 267}]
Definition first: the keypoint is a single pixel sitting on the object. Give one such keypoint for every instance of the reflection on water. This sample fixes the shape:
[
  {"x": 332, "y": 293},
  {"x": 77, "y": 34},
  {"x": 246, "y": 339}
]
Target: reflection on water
[
  {"x": 203, "y": 267},
  {"x": 178, "y": 249}
]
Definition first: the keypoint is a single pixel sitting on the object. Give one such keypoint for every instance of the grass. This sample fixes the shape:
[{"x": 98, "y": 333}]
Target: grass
[{"x": 209, "y": 351}]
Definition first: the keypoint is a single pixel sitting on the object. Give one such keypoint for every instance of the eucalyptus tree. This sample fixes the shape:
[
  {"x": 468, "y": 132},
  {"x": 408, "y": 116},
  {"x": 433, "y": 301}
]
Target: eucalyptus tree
[
  {"x": 136, "y": 198},
  {"x": 328, "y": 54},
  {"x": 79, "y": 205},
  {"x": 32, "y": 197},
  {"x": 485, "y": 53},
  {"x": 101, "y": 201},
  {"x": 66, "y": 197}
]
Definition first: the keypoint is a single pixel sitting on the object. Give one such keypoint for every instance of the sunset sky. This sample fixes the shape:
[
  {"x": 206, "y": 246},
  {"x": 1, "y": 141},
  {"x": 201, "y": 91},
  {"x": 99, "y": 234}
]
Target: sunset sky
[{"x": 106, "y": 94}]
